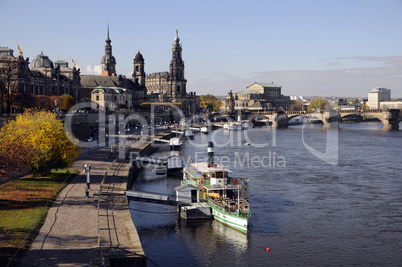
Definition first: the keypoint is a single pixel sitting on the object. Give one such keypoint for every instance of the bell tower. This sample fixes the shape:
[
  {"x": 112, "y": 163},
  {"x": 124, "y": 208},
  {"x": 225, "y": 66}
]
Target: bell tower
[
  {"x": 139, "y": 71},
  {"x": 108, "y": 61},
  {"x": 177, "y": 80}
]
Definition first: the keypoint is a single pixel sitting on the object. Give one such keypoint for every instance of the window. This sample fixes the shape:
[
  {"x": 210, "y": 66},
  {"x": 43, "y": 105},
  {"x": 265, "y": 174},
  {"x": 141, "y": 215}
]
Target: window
[{"x": 97, "y": 97}]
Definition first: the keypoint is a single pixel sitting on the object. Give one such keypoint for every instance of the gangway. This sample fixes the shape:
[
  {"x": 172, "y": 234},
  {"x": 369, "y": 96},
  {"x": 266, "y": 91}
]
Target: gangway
[
  {"x": 186, "y": 209},
  {"x": 157, "y": 198}
]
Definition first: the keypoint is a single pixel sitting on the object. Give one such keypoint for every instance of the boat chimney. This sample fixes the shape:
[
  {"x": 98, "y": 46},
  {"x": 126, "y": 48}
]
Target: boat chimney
[{"x": 211, "y": 153}]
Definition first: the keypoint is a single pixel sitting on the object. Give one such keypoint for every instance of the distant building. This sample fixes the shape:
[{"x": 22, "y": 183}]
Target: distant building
[
  {"x": 110, "y": 98},
  {"x": 257, "y": 97},
  {"x": 392, "y": 104},
  {"x": 342, "y": 101},
  {"x": 376, "y": 96},
  {"x": 43, "y": 77}
]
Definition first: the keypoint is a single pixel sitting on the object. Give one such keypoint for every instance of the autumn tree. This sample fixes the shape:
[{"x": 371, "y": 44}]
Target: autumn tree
[
  {"x": 210, "y": 102},
  {"x": 43, "y": 102},
  {"x": 66, "y": 102},
  {"x": 318, "y": 103},
  {"x": 15, "y": 155},
  {"x": 297, "y": 106},
  {"x": 25, "y": 101},
  {"x": 45, "y": 136}
]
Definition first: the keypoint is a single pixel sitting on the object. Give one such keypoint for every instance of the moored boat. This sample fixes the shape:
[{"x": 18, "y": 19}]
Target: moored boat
[{"x": 227, "y": 196}]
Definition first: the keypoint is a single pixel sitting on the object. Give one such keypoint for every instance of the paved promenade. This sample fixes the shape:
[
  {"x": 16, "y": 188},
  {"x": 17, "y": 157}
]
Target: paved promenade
[{"x": 76, "y": 232}]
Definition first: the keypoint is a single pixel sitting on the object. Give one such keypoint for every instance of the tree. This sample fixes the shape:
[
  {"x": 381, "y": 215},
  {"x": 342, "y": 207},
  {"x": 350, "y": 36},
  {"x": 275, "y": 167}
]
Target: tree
[
  {"x": 210, "y": 102},
  {"x": 297, "y": 106},
  {"x": 66, "y": 101},
  {"x": 45, "y": 136},
  {"x": 318, "y": 103},
  {"x": 25, "y": 101},
  {"x": 43, "y": 102},
  {"x": 9, "y": 72},
  {"x": 15, "y": 155}
]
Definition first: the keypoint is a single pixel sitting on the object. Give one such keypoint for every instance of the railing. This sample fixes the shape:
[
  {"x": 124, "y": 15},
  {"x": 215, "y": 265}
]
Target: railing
[
  {"x": 98, "y": 208},
  {"x": 226, "y": 209}
]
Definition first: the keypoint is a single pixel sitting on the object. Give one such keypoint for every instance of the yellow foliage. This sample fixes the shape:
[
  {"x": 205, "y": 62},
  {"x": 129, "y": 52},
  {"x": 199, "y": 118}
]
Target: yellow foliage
[{"x": 47, "y": 137}]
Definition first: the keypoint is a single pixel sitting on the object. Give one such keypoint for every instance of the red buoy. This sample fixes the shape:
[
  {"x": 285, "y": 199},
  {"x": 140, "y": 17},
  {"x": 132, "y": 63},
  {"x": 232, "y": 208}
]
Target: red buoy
[{"x": 267, "y": 250}]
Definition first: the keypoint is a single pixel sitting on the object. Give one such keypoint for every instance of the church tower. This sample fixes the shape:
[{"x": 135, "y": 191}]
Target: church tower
[
  {"x": 108, "y": 61},
  {"x": 139, "y": 72},
  {"x": 177, "y": 81}
]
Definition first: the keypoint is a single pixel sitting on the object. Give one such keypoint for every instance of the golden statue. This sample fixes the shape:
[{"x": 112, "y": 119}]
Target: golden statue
[
  {"x": 73, "y": 63},
  {"x": 20, "y": 50}
]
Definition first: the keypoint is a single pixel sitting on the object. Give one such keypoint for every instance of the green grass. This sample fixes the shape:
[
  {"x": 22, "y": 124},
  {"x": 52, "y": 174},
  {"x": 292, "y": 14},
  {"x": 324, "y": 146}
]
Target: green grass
[{"x": 22, "y": 206}]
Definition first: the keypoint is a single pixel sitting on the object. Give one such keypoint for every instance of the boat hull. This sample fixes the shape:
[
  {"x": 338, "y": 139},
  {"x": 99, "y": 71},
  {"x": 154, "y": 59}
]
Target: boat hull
[
  {"x": 235, "y": 222},
  {"x": 232, "y": 220}
]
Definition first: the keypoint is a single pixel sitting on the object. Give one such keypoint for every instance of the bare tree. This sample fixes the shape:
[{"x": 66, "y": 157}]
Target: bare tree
[{"x": 9, "y": 73}]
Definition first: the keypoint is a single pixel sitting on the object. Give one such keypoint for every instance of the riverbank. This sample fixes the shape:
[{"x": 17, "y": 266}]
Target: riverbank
[
  {"x": 83, "y": 232},
  {"x": 24, "y": 204}
]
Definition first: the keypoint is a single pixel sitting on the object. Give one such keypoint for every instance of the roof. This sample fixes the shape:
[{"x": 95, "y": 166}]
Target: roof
[
  {"x": 250, "y": 92},
  {"x": 92, "y": 81},
  {"x": 267, "y": 84},
  {"x": 185, "y": 186},
  {"x": 203, "y": 167}
]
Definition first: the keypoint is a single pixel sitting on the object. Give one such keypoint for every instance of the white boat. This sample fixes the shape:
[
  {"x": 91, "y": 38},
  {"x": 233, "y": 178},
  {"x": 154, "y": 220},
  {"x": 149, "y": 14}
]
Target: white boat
[
  {"x": 233, "y": 126},
  {"x": 175, "y": 143},
  {"x": 204, "y": 130},
  {"x": 226, "y": 196}
]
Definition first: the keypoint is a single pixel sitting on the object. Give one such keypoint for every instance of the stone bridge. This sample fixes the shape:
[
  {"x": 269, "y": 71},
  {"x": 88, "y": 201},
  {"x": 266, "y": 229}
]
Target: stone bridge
[{"x": 389, "y": 117}]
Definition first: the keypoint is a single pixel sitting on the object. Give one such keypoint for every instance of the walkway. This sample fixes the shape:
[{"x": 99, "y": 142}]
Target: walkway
[{"x": 69, "y": 236}]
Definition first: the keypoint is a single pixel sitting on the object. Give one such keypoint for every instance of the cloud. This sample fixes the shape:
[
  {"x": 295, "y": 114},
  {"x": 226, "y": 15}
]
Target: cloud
[
  {"x": 353, "y": 71},
  {"x": 95, "y": 70},
  {"x": 333, "y": 64}
]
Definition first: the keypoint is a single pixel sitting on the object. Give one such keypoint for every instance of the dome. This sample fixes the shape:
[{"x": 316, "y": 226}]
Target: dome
[
  {"x": 139, "y": 58},
  {"x": 109, "y": 58},
  {"x": 42, "y": 61}
]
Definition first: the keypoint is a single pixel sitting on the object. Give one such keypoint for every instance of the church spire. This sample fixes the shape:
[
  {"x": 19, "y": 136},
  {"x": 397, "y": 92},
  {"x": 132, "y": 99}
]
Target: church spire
[
  {"x": 108, "y": 41},
  {"x": 108, "y": 61},
  {"x": 177, "y": 39}
]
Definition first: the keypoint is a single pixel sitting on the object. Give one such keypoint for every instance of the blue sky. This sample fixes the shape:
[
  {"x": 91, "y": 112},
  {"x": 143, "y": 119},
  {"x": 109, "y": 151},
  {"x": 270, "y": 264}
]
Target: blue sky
[{"x": 327, "y": 48}]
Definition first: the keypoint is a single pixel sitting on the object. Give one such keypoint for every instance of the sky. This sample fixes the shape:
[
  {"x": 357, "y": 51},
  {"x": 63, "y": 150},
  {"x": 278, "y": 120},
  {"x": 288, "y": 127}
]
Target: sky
[{"x": 339, "y": 48}]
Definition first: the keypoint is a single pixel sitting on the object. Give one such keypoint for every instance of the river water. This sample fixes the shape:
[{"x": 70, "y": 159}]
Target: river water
[{"x": 310, "y": 208}]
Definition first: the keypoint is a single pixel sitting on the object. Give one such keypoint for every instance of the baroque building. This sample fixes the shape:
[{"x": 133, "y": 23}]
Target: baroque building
[
  {"x": 109, "y": 79},
  {"x": 170, "y": 86},
  {"x": 43, "y": 77},
  {"x": 110, "y": 98},
  {"x": 257, "y": 97},
  {"x": 160, "y": 87}
]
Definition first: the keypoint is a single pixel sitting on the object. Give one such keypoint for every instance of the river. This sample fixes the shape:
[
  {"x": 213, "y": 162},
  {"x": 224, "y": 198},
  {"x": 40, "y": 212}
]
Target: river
[{"x": 310, "y": 208}]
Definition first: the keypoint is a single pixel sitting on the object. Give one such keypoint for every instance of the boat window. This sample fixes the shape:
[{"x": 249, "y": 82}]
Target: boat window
[{"x": 220, "y": 174}]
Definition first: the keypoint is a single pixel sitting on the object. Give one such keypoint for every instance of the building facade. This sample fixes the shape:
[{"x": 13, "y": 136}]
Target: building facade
[
  {"x": 171, "y": 87},
  {"x": 257, "y": 97},
  {"x": 160, "y": 87},
  {"x": 376, "y": 96},
  {"x": 42, "y": 77},
  {"x": 392, "y": 104},
  {"x": 111, "y": 98}
]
